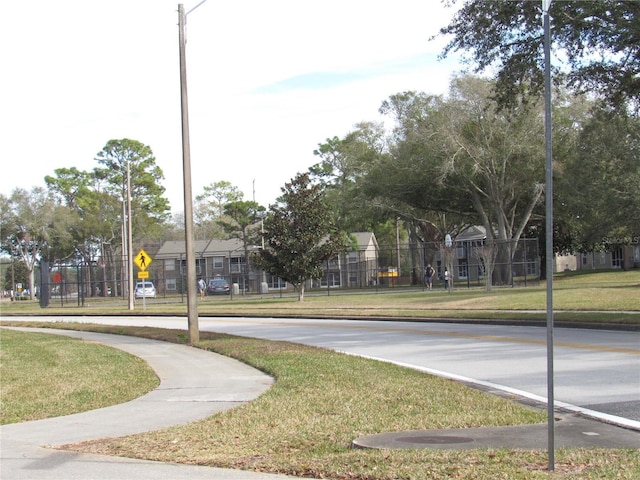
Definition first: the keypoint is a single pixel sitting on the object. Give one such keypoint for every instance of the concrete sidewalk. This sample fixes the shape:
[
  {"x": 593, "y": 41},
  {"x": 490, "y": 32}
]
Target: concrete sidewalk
[{"x": 194, "y": 384}]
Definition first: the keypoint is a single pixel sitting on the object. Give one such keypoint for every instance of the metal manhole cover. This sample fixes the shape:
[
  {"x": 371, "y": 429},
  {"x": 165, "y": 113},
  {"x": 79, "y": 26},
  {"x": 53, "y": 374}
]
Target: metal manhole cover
[{"x": 434, "y": 439}]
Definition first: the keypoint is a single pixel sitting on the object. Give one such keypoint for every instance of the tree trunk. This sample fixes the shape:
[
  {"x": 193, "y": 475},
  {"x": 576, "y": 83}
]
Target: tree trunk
[{"x": 31, "y": 282}]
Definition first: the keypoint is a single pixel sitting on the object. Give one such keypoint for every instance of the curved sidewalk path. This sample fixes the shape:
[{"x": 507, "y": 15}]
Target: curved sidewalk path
[{"x": 194, "y": 384}]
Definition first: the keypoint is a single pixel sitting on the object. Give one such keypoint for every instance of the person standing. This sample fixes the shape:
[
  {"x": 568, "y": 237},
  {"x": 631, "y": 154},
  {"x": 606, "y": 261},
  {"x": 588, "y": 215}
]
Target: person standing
[
  {"x": 428, "y": 276},
  {"x": 446, "y": 279},
  {"x": 201, "y": 288}
]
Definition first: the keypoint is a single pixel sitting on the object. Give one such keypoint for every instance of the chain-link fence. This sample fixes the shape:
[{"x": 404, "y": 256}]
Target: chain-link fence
[
  {"x": 469, "y": 264},
  {"x": 72, "y": 283}
]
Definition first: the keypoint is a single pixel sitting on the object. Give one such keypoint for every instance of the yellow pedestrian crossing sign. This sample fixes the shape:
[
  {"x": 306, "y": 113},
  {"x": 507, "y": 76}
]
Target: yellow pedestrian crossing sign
[{"x": 142, "y": 260}]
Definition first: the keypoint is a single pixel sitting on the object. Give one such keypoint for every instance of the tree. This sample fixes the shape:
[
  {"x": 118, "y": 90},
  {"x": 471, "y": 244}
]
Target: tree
[
  {"x": 16, "y": 273},
  {"x": 299, "y": 235},
  {"x": 600, "y": 40},
  {"x": 243, "y": 224},
  {"x": 345, "y": 163},
  {"x": 31, "y": 224},
  {"x": 461, "y": 158},
  {"x": 599, "y": 184},
  {"x": 210, "y": 206},
  {"x": 98, "y": 221},
  {"x": 149, "y": 208}
]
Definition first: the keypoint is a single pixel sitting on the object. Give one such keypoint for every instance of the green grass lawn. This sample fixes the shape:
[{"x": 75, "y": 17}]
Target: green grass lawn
[
  {"x": 576, "y": 295},
  {"x": 46, "y": 375}
]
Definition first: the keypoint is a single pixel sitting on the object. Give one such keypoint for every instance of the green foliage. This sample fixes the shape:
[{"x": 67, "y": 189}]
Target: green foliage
[
  {"x": 97, "y": 213},
  {"x": 34, "y": 227},
  {"x": 343, "y": 164},
  {"x": 299, "y": 235},
  {"x": 148, "y": 205},
  {"x": 19, "y": 272},
  {"x": 600, "y": 39},
  {"x": 459, "y": 156},
  {"x": 210, "y": 205},
  {"x": 215, "y": 196},
  {"x": 241, "y": 217},
  {"x": 242, "y": 223},
  {"x": 600, "y": 181}
]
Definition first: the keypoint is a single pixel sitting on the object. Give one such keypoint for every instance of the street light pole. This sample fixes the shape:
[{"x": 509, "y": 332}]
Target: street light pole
[{"x": 192, "y": 302}]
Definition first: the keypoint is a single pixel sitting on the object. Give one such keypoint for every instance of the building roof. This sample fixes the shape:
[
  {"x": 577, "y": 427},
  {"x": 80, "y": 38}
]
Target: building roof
[
  {"x": 218, "y": 247},
  {"x": 365, "y": 240},
  {"x": 203, "y": 248},
  {"x": 477, "y": 232}
]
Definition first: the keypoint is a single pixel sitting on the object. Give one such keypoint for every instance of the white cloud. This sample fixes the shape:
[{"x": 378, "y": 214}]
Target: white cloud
[{"x": 80, "y": 73}]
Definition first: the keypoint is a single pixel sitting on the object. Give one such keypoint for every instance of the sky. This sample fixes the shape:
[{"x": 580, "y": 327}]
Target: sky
[{"x": 267, "y": 82}]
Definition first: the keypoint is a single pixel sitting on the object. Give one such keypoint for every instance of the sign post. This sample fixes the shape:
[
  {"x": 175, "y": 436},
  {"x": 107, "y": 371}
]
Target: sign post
[{"x": 142, "y": 260}]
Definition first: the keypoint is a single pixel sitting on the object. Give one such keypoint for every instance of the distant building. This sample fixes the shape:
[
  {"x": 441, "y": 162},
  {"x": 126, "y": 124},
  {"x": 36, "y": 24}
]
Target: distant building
[{"x": 228, "y": 259}]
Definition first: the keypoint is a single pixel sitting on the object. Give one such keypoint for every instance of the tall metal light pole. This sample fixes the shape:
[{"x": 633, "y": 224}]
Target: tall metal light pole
[
  {"x": 549, "y": 231},
  {"x": 192, "y": 301}
]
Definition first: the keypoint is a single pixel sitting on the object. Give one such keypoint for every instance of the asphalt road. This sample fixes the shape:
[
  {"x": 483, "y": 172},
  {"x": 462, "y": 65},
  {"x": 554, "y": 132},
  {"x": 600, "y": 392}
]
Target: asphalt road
[{"x": 595, "y": 372}]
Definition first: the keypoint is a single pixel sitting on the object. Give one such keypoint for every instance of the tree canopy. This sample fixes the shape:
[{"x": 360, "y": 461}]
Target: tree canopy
[
  {"x": 33, "y": 227},
  {"x": 148, "y": 204},
  {"x": 461, "y": 157},
  {"x": 599, "y": 190},
  {"x": 210, "y": 207},
  {"x": 597, "y": 41}
]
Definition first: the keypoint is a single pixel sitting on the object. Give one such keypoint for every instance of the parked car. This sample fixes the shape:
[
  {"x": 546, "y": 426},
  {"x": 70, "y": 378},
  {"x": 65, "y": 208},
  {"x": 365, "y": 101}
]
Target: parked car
[
  {"x": 218, "y": 286},
  {"x": 145, "y": 290}
]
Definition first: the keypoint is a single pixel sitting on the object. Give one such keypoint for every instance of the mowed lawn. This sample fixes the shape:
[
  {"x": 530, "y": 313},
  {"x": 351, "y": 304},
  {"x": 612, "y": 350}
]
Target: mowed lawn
[
  {"x": 45, "y": 375},
  {"x": 602, "y": 297}
]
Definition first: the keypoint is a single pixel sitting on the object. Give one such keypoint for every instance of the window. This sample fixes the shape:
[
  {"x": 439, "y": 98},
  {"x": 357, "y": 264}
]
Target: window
[
  {"x": 170, "y": 265},
  {"x": 617, "y": 258},
  {"x": 463, "y": 268},
  {"x": 200, "y": 262},
  {"x": 352, "y": 257},
  {"x": 532, "y": 268},
  {"x": 333, "y": 278},
  {"x": 275, "y": 282},
  {"x": 171, "y": 284},
  {"x": 218, "y": 262},
  {"x": 236, "y": 264}
]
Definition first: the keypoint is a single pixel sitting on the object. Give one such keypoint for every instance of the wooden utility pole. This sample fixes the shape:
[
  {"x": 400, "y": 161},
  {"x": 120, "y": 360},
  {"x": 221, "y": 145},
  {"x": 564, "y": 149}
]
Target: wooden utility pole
[{"x": 192, "y": 301}]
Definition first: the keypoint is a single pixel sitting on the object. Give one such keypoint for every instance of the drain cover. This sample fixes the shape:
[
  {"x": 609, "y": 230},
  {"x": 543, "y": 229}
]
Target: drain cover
[{"x": 434, "y": 439}]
